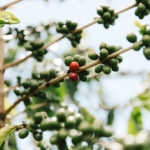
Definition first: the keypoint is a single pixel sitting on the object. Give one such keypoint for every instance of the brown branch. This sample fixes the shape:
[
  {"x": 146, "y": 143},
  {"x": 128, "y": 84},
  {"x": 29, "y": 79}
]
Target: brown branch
[
  {"x": 58, "y": 39},
  {"x": 1, "y": 73},
  {"x": 94, "y": 63},
  {"x": 16, "y": 62},
  {"x": 7, "y": 5},
  {"x": 10, "y": 88}
]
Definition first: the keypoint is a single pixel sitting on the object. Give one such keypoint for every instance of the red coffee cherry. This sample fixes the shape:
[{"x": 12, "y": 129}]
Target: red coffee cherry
[
  {"x": 73, "y": 76},
  {"x": 74, "y": 66}
]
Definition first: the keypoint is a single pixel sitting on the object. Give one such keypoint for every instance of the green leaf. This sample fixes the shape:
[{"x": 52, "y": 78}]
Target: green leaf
[
  {"x": 138, "y": 24},
  {"x": 88, "y": 117},
  {"x": 135, "y": 121},
  {"x": 7, "y": 18},
  {"x": 6, "y": 131},
  {"x": 110, "y": 117}
]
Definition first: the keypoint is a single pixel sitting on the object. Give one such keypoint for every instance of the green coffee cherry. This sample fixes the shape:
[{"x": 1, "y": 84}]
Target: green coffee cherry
[
  {"x": 68, "y": 60},
  {"x": 141, "y": 7},
  {"x": 44, "y": 75},
  {"x": 111, "y": 11},
  {"x": 26, "y": 91},
  {"x": 38, "y": 136},
  {"x": 53, "y": 139},
  {"x": 73, "y": 25},
  {"x": 85, "y": 72},
  {"x": 76, "y": 58},
  {"x": 103, "y": 45},
  {"x": 36, "y": 44},
  {"x": 17, "y": 92},
  {"x": 52, "y": 73},
  {"x": 83, "y": 78},
  {"x": 27, "y": 102},
  {"x": 39, "y": 116},
  {"x": 98, "y": 128},
  {"x": 111, "y": 49},
  {"x": 119, "y": 58},
  {"x": 131, "y": 37},
  {"x": 28, "y": 47},
  {"x": 85, "y": 127},
  {"x": 106, "y": 25},
  {"x": 65, "y": 29},
  {"x": 34, "y": 125},
  {"x": 26, "y": 84},
  {"x": 76, "y": 136},
  {"x": 107, "y": 131},
  {"x": 82, "y": 61},
  {"x": 33, "y": 84},
  {"x": 79, "y": 117},
  {"x": 60, "y": 24},
  {"x": 93, "y": 56},
  {"x": 137, "y": 46},
  {"x": 58, "y": 29},
  {"x": 74, "y": 43},
  {"x": 100, "y": 21},
  {"x": 100, "y": 11},
  {"x": 104, "y": 53},
  {"x": 147, "y": 30},
  {"x": 23, "y": 133},
  {"x": 53, "y": 124},
  {"x": 99, "y": 69},
  {"x": 44, "y": 125},
  {"x": 146, "y": 39},
  {"x": 69, "y": 36},
  {"x": 118, "y": 48},
  {"x": 61, "y": 114},
  {"x": 146, "y": 53},
  {"x": 106, "y": 15},
  {"x": 106, "y": 69},
  {"x": 113, "y": 62},
  {"x": 62, "y": 133},
  {"x": 115, "y": 68},
  {"x": 68, "y": 23},
  {"x": 57, "y": 84},
  {"x": 70, "y": 122}
]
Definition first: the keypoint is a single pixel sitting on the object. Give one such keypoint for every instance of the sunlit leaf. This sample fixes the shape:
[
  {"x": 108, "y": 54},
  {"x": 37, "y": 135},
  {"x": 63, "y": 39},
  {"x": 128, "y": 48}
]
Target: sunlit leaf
[
  {"x": 6, "y": 131},
  {"x": 135, "y": 121},
  {"x": 7, "y": 18},
  {"x": 110, "y": 117},
  {"x": 88, "y": 117}
]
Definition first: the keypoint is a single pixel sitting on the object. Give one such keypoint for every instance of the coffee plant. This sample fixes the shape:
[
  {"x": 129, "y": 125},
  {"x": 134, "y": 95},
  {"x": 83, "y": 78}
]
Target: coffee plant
[{"x": 55, "y": 120}]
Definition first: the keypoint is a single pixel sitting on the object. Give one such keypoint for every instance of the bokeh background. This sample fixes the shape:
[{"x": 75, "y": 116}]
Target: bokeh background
[{"x": 115, "y": 89}]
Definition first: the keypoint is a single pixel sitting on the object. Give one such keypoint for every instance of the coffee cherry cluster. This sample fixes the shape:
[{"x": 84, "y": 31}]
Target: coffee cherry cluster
[
  {"x": 37, "y": 80},
  {"x": 66, "y": 122},
  {"x": 36, "y": 48},
  {"x": 111, "y": 64},
  {"x": 74, "y": 63},
  {"x": 144, "y": 43},
  {"x": 138, "y": 142},
  {"x": 107, "y": 15},
  {"x": 33, "y": 127},
  {"x": 143, "y": 8},
  {"x": 67, "y": 28}
]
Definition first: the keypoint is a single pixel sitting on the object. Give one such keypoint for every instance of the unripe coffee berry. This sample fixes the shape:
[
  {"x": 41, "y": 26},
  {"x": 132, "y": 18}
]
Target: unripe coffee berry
[
  {"x": 74, "y": 77},
  {"x": 74, "y": 66}
]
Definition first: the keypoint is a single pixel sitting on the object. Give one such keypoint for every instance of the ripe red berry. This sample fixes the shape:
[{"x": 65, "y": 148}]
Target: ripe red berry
[
  {"x": 73, "y": 76},
  {"x": 74, "y": 66}
]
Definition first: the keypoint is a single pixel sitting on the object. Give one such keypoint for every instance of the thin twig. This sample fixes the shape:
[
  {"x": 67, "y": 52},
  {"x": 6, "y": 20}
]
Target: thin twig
[
  {"x": 1, "y": 73},
  {"x": 16, "y": 62},
  {"x": 94, "y": 63},
  {"x": 7, "y": 5},
  {"x": 49, "y": 44},
  {"x": 10, "y": 88}
]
